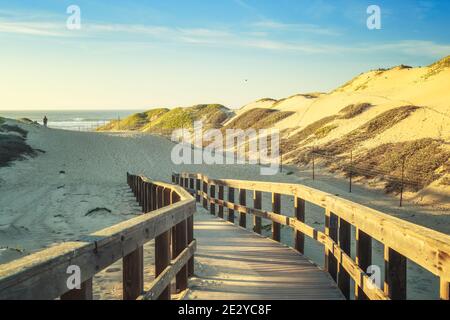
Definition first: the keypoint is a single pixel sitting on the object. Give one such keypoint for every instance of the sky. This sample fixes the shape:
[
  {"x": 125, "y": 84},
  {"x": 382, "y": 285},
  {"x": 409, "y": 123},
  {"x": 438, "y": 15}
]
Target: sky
[{"x": 143, "y": 54}]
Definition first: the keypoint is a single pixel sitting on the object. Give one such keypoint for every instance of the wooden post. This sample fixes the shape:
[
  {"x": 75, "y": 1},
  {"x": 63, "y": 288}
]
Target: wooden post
[
  {"x": 133, "y": 274},
  {"x": 402, "y": 182},
  {"x": 276, "y": 208},
  {"x": 144, "y": 198},
  {"x": 159, "y": 197},
  {"x": 154, "y": 197},
  {"x": 444, "y": 289},
  {"x": 231, "y": 200},
  {"x": 331, "y": 227},
  {"x": 180, "y": 245},
  {"x": 138, "y": 190},
  {"x": 162, "y": 249},
  {"x": 300, "y": 215},
  {"x": 150, "y": 197},
  {"x": 205, "y": 194},
  {"x": 313, "y": 165},
  {"x": 363, "y": 258},
  {"x": 175, "y": 198},
  {"x": 221, "y": 189},
  {"x": 395, "y": 274},
  {"x": 257, "y": 204},
  {"x": 197, "y": 188},
  {"x": 190, "y": 238},
  {"x": 212, "y": 206},
  {"x": 84, "y": 293},
  {"x": 343, "y": 277},
  {"x": 243, "y": 202},
  {"x": 351, "y": 171}
]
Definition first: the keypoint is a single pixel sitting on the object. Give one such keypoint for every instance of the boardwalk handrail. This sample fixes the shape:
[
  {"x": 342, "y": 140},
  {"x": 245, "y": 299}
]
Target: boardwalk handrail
[
  {"x": 402, "y": 240},
  {"x": 47, "y": 273}
]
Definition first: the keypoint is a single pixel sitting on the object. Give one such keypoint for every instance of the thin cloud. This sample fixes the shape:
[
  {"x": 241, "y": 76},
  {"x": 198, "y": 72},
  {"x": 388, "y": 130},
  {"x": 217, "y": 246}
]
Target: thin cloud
[
  {"x": 295, "y": 27},
  {"x": 262, "y": 40}
]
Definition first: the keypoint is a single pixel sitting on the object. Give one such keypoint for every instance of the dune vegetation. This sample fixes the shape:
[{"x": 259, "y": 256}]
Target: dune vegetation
[
  {"x": 258, "y": 118},
  {"x": 164, "y": 121},
  {"x": 380, "y": 116},
  {"x": 13, "y": 144}
]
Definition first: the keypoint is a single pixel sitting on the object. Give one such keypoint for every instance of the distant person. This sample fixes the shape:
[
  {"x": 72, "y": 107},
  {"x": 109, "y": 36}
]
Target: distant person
[{"x": 45, "y": 121}]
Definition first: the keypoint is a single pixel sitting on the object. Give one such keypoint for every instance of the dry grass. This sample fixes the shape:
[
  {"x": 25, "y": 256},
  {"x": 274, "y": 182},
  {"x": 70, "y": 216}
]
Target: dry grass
[
  {"x": 354, "y": 110},
  {"x": 368, "y": 131},
  {"x": 293, "y": 141},
  {"x": 134, "y": 122},
  {"x": 324, "y": 131},
  {"x": 12, "y": 146},
  {"x": 258, "y": 118},
  {"x": 438, "y": 67},
  {"x": 425, "y": 161}
]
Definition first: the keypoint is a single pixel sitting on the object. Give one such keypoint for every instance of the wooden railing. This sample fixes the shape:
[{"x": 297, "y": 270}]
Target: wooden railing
[
  {"x": 45, "y": 274},
  {"x": 402, "y": 240}
]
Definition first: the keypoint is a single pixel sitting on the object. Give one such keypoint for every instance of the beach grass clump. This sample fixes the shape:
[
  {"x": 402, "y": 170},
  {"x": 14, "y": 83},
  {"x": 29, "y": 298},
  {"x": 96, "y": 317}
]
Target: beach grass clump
[
  {"x": 293, "y": 141},
  {"x": 134, "y": 122},
  {"x": 212, "y": 116},
  {"x": 437, "y": 67},
  {"x": 324, "y": 131},
  {"x": 258, "y": 118},
  {"x": 354, "y": 110},
  {"x": 369, "y": 130},
  {"x": 13, "y": 145},
  {"x": 425, "y": 161}
]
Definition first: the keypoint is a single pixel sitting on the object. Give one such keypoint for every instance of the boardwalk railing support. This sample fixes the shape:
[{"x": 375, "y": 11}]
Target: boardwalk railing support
[
  {"x": 403, "y": 240},
  {"x": 276, "y": 208},
  {"x": 171, "y": 206}
]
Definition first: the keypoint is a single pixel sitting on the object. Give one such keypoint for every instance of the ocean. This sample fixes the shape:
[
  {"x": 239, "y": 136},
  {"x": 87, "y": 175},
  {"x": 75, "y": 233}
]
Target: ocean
[{"x": 83, "y": 120}]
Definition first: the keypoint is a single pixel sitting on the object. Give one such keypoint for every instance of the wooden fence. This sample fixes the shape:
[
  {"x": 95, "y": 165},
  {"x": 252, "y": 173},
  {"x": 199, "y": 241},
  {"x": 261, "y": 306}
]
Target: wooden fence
[
  {"x": 402, "y": 240},
  {"x": 44, "y": 275}
]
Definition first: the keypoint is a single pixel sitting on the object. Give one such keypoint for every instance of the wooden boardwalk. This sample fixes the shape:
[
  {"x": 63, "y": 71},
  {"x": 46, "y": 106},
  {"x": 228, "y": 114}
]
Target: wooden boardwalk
[{"x": 233, "y": 263}]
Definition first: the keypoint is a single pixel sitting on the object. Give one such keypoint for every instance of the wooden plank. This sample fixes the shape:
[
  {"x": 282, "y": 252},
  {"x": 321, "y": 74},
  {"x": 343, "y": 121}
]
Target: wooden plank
[
  {"x": 163, "y": 280},
  {"x": 212, "y": 207},
  {"x": 180, "y": 245},
  {"x": 162, "y": 260},
  {"x": 84, "y": 293},
  {"x": 197, "y": 187},
  {"x": 133, "y": 274},
  {"x": 395, "y": 274},
  {"x": 276, "y": 208},
  {"x": 257, "y": 204},
  {"x": 231, "y": 200},
  {"x": 160, "y": 196},
  {"x": 221, "y": 197},
  {"x": 243, "y": 202},
  {"x": 331, "y": 230},
  {"x": 162, "y": 246},
  {"x": 299, "y": 238},
  {"x": 344, "y": 242},
  {"x": 190, "y": 239},
  {"x": 363, "y": 258},
  {"x": 205, "y": 190}
]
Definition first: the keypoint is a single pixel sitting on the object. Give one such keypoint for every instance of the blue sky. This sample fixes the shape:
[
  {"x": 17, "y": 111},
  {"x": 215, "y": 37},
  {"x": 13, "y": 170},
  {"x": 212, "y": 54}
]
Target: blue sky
[{"x": 143, "y": 54}]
